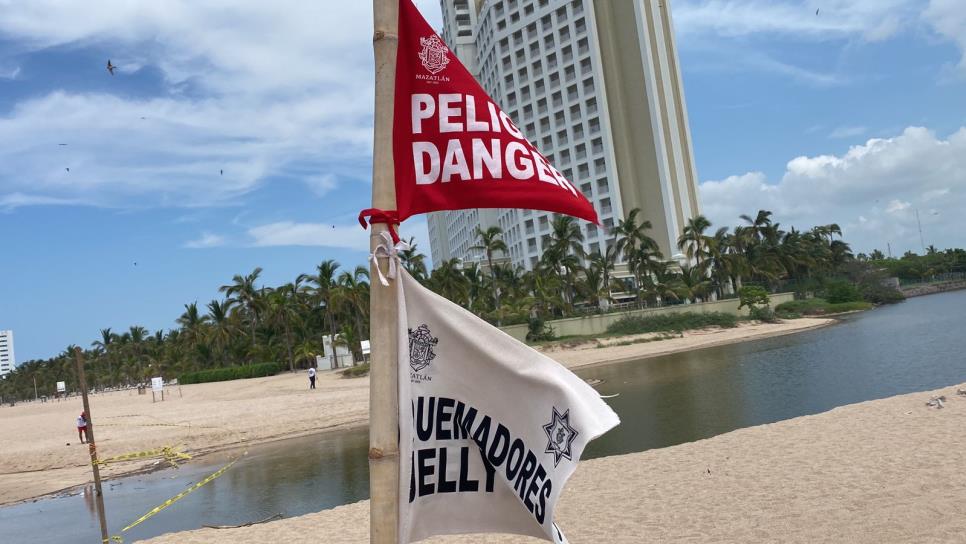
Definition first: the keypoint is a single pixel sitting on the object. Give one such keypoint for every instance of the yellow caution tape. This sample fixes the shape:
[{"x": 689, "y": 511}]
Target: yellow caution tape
[
  {"x": 167, "y": 452},
  {"x": 179, "y": 496}
]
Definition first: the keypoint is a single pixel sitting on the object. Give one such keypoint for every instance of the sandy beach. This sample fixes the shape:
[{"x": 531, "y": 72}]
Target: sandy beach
[
  {"x": 884, "y": 471},
  {"x": 35, "y": 458}
]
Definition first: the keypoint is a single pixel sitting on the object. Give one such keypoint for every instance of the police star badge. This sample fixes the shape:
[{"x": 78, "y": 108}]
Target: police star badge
[
  {"x": 560, "y": 436},
  {"x": 421, "y": 343}
]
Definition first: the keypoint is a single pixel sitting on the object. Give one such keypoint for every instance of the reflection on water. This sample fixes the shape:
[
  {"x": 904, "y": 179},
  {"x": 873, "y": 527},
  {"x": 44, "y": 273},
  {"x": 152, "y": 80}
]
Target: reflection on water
[
  {"x": 291, "y": 477},
  {"x": 914, "y": 346}
]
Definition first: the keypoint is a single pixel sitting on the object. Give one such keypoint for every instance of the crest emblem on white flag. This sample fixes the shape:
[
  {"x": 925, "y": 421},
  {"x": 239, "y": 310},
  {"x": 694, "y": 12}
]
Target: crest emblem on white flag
[{"x": 489, "y": 429}]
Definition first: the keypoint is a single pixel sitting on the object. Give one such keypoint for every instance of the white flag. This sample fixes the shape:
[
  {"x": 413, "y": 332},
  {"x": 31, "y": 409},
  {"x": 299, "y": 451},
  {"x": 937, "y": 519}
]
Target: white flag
[{"x": 489, "y": 429}]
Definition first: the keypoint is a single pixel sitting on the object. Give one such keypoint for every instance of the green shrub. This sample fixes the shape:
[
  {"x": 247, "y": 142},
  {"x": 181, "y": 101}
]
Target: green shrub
[
  {"x": 876, "y": 293},
  {"x": 230, "y": 373},
  {"x": 753, "y": 296},
  {"x": 763, "y": 313},
  {"x": 671, "y": 322},
  {"x": 357, "y": 371},
  {"x": 538, "y": 331},
  {"x": 837, "y": 292}
]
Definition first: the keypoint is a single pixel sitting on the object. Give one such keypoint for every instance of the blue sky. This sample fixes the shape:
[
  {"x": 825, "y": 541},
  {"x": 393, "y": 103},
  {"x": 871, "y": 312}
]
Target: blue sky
[{"x": 234, "y": 139}]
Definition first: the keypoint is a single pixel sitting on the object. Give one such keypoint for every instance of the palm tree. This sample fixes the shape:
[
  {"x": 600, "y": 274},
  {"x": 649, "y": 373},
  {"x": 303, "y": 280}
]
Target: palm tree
[
  {"x": 693, "y": 283},
  {"x": 631, "y": 239},
  {"x": 564, "y": 251},
  {"x": 413, "y": 261},
  {"x": 242, "y": 292},
  {"x": 695, "y": 244},
  {"x": 490, "y": 241},
  {"x": 105, "y": 345},
  {"x": 324, "y": 285},
  {"x": 221, "y": 327}
]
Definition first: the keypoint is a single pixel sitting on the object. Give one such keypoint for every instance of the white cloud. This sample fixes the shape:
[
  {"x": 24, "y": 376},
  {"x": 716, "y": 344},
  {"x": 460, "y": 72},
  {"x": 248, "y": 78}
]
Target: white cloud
[
  {"x": 12, "y": 201},
  {"x": 872, "y": 191},
  {"x": 948, "y": 19},
  {"x": 289, "y": 233},
  {"x": 260, "y": 90},
  {"x": 9, "y": 73},
  {"x": 896, "y": 206},
  {"x": 322, "y": 184},
  {"x": 206, "y": 240},
  {"x": 847, "y": 132}
]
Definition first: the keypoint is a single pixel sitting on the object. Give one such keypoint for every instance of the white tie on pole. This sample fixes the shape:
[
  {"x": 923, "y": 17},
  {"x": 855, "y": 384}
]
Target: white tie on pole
[
  {"x": 490, "y": 429},
  {"x": 391, "y": 252}
]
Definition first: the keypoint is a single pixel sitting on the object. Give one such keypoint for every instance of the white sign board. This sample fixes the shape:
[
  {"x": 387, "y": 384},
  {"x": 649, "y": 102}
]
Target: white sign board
[
  {"x": 157, "y": 384},
  {"x": 61, "y": 387}
]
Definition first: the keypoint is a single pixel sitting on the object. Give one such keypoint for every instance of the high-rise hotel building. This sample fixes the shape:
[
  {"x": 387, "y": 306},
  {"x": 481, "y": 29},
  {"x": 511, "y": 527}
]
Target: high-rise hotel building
[
  {"x": 595, "y": 85},
  {"x": 8, "y": 360}
]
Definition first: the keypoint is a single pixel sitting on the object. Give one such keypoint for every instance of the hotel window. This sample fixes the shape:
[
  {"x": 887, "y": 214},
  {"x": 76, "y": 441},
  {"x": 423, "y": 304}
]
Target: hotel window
[
  {"x": 562, "y": 14},
  {"x": 570, "y": 73},
  {"x": 580, "y": 26},
  {"x": 568, "y": 53},
  {"x": 594, "y": 125},
  {"x": 588, "y": 86},
  {"x": 591, "y": 105},
  {"x": 585, "y": 67},
  {"x": 546, "y": 23},
  {"x": 548, "y": 42},
  {"x": 585, "y": 189},
  {"x": 602, "y": 185},
  {"x": 599, "y": 166},
  {"x": 572, "y": 93}
]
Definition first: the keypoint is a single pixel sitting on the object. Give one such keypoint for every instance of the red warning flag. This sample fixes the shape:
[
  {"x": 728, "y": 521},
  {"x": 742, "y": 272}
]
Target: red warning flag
[{"x": 453, "y": 147}]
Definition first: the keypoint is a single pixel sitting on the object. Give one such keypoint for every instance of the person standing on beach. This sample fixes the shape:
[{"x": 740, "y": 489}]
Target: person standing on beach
[
  {"x": 82, "y": 427},
  {"x": 311, "y": 377}
]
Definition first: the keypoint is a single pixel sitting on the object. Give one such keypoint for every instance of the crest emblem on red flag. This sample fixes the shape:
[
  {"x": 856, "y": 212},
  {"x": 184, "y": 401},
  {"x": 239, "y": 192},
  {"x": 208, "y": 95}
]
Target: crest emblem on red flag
[
  {"x": 433, "y": 55},
  {"x": 454, "y": 148}
]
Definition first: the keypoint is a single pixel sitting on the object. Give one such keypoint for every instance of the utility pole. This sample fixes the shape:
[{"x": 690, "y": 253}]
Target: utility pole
[
  {"x": 35, "y": 388},
  {"x": 98, "y": 495},
  {"x": 383, "y": 380}
]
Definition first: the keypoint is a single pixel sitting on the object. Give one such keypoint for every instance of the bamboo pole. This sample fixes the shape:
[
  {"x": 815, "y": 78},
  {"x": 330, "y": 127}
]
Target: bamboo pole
[
  {"x": 98, "y": 496},
  {"x": 383, "y": 389}
]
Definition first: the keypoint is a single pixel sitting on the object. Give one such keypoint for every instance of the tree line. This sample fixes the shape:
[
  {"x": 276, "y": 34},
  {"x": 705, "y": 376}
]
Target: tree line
[{"x": 254, "y": 323}]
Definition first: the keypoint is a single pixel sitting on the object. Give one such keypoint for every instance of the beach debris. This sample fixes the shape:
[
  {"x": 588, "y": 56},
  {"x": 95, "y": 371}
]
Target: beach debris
[
  {"x": 110, "y": 67},
  {"x": 709, "y": 471},
  {"x": 937, "y": 402},
  {"x": 961, "y": 392},
  {"x": 594, "y": 382},
  {"x": 610, "y": 396}
]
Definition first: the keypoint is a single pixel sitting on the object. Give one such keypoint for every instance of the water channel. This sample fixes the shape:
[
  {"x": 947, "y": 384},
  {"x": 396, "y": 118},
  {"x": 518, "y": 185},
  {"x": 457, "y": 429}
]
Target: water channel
[{"x": 914, "y": 346}]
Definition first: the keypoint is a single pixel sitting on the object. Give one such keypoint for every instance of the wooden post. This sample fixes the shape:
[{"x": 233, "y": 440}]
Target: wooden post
[
  {"x": 99, "y": 498},
  {"x": 383, "y": 377}
]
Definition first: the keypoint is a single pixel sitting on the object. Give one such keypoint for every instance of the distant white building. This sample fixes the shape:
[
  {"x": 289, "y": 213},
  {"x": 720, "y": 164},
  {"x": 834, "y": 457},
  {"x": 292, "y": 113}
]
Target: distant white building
[{"x": 7, "y": 359}]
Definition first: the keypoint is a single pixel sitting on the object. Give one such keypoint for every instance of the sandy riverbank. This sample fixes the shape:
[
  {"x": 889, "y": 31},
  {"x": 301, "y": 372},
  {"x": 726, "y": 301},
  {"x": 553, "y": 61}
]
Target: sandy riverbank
[
  {"x": 35, "y": 459},
  {"x": 885, "y": 471}
]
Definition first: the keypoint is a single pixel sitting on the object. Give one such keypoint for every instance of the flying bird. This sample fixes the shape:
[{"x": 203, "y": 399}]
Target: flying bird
[
  {"x": 816, "y": 11},
  {"x": 135, "y": 263},
  {"x": 110, "y": 67},
  {"x": 68, "y": 169},
  {"x": 221, "y": 172},
  {"x": 61, "y": 144}
]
